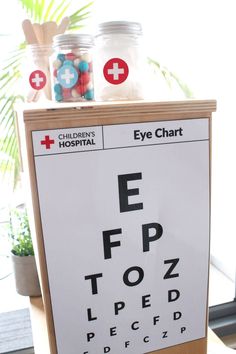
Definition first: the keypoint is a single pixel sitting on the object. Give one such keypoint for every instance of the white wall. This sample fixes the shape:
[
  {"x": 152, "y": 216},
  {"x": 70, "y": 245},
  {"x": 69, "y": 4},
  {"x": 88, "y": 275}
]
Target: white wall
[{"x": 196, "y": 39}]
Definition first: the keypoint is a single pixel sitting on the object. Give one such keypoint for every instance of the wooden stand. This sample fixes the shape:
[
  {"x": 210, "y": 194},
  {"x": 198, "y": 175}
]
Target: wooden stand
[{"x": 46, "y": 144}]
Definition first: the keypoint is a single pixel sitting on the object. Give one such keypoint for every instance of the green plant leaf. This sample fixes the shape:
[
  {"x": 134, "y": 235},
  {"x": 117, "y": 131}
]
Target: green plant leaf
[
  {"x": 62, "y": 13},
  {"x": 28, "y": 6},
  {"x": 85, "y": 7},
  {"x": 59, "y": 11},
  {"x": 40, "y": 10},
  {"x": 7, "y": 112},
  {"x": 48, "y": 10},
  {"x": 77, "y": 19},
  {"x": 170, "y": 77},
  {"x": 8, "y": 143},
  {"x": 79, "y": 16},
  {"x": 19, "y": 233}
]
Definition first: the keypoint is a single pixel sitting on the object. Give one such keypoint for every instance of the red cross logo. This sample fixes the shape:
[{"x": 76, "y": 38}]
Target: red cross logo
[
  {"x": 116, "y": 71},
  {"x": 37, "y": 80},
  {"x": 47, "y": 142}
]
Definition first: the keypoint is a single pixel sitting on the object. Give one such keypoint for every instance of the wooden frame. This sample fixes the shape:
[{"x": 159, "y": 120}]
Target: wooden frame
[{"x": 90, "y": 114}]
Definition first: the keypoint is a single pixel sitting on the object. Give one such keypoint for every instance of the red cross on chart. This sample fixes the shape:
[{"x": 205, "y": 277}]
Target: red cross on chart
[
  {"x": 47, "y": 142},
  {"x": 116, "y": 71},
  {"x": 37, "y": 79}
]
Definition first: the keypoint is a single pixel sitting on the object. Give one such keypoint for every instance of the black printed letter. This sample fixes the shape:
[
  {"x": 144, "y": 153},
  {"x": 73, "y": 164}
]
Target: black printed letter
[
  {"x": 90, "y": 318},
  {"x": 173, "y": 295},
  {"x": 93, "y": 278},
  {"x": 90, "y": 336},
  {"x": 119, "y": 306},
  {"x": 146, "y": 234},
  {"x": 173, "y": 263},
  {"x": 124, "y": 192},
  {"x": 107, "y": 244},
  {"x": 126, "y": 276},
  {"x": 146, "y": 301}
]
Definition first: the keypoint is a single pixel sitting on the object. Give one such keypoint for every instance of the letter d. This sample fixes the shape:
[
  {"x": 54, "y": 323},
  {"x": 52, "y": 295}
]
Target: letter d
[
  {"x": 177, "y": 315},
  {"x": 173, "y": 295}
]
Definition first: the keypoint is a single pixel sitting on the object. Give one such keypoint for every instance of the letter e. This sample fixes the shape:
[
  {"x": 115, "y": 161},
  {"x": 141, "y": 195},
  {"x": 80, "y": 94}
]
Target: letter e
[{"x": 124, "y": 192}]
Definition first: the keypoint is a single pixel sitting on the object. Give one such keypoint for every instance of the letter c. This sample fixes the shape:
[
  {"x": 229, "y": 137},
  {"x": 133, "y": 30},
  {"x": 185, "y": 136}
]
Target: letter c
[{"x": 132, "y": 326}]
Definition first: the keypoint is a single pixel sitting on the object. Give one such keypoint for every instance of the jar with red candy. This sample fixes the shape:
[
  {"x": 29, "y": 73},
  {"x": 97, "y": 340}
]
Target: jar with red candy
[{"x": 71, "y": 68}]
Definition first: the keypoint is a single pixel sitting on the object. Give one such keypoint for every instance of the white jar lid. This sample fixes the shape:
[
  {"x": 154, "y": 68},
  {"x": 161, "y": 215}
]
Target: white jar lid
[
  {"x": 73, "y": 40},
  {"x": 125, "y": 27}
]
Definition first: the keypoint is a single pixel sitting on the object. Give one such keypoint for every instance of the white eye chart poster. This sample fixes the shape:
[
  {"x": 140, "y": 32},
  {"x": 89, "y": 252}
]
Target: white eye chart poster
[{"x": 125, "y": 219}]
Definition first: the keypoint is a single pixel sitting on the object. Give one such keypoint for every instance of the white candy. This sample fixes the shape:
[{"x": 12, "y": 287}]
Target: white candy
[
  {"x": 74, "y": 93},
  {"x": 76, "y": 62},
  {"x": 77, "y": 52},
  {"x": 90, "y": 85},
  {"x": 86, "y": 57},
  {"x": 91, "y": 77},
  {"x": 57, "y": 64}
]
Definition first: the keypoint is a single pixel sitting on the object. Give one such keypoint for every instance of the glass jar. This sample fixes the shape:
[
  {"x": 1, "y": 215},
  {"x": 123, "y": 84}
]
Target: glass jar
[
  {"x": 119, "y": 61},
  {"x": 38, "y": 72},
  {"x": 71, "y": 68}
]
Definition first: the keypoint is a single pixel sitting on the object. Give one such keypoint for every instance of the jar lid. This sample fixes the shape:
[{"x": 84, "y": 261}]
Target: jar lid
[
  {"x": 125, "y": 27},
  {"x": 39, "y": 48},
  {"x": 73, "y": 40}
]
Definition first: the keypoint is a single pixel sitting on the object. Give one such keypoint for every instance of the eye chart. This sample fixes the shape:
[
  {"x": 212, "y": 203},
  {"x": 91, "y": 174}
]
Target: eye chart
[{"x": 125, "y": 221}]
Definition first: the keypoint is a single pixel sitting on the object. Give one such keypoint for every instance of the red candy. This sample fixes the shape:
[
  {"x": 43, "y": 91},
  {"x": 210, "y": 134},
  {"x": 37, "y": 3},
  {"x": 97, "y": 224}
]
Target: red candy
[
  {"x": 81, "y": 89},
  {"x": 55, "y": 73},
  {"x": 84, "y": 78},
  {"x": 70, "y": 56},
  {"x": 66, "y": 93}
]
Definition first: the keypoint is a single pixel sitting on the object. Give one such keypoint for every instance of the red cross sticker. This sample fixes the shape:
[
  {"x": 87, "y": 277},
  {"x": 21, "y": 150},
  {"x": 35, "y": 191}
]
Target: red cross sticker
[
  {"x": 116, "y": 71},
  {"x": 47, "y": 142},
  {"x": 37, "y": 80}
]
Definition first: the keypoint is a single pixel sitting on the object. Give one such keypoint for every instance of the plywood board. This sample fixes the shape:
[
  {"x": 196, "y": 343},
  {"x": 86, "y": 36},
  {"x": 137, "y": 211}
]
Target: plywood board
[{"x": 121, "y": 201}]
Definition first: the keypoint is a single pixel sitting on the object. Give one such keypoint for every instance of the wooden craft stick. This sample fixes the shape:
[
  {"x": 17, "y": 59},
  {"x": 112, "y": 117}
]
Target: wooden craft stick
[
  {"x": 38, "y": 32},
  {"x": 32, "y": 96},
  {"x": 49, "y": 30},
  {"x": 62, "y": 27},
  {"x": 29, "y": 32},
  {"x": 36, "y": 97}
]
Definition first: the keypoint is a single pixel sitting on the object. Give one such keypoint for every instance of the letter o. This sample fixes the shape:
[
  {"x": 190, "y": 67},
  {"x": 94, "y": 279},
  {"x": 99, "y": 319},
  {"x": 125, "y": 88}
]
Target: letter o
[{"x": 132, "y": 269}]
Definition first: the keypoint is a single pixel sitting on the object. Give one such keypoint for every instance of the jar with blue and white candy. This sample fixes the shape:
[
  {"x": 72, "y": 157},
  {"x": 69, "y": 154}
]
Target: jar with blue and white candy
[{"x": 71, "y": 68}]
